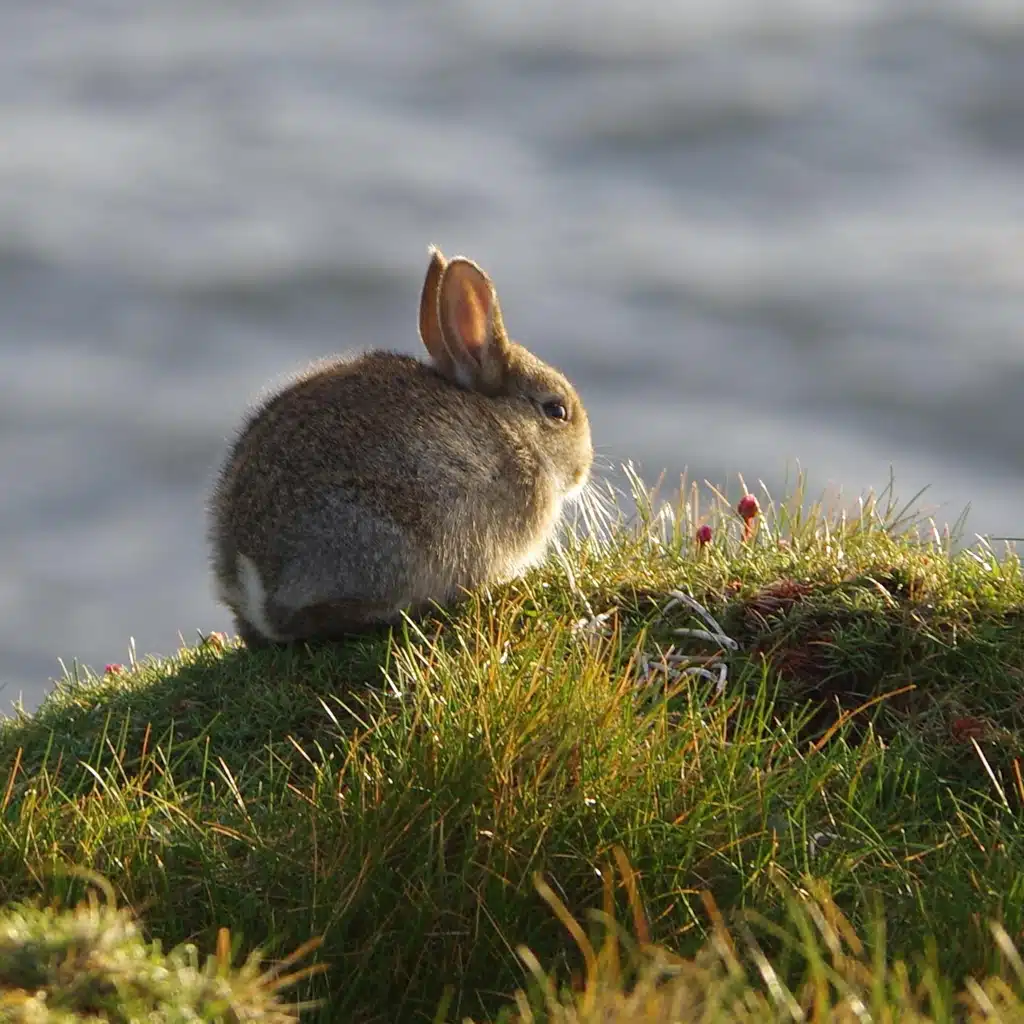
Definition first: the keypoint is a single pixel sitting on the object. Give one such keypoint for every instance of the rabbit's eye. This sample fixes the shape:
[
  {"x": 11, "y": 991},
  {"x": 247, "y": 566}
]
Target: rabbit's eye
[{"x": 555, "y": 409}]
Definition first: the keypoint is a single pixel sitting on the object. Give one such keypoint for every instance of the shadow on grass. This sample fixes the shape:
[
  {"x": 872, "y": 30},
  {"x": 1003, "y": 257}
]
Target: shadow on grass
[{"x": 237, "y": 701}]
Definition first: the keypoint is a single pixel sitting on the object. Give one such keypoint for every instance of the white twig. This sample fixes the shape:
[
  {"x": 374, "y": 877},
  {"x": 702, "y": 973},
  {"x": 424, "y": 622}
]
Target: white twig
[
  {"x": 671, "y": 665},
  {"x": 681, "y": 598},
  {"x": 703, "y": 634}
]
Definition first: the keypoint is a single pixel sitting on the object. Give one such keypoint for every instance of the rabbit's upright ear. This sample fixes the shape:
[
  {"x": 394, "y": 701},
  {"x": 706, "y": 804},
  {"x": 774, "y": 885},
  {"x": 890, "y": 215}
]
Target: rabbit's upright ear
[
  {"x": 430, "y": 322},
  {"x": 472, "y": 326}
]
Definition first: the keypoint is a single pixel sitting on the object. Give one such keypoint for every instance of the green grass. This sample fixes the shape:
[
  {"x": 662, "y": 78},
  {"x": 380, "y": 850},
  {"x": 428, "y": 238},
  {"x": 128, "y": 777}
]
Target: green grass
[
  {"x": 91, "y": 963},
  {"x": 396, "y": 795}
]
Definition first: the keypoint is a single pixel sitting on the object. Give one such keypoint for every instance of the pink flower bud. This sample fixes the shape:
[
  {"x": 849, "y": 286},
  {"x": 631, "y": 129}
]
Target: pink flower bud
[
  {"x": 748, "y": 507},
  {"x": 113, "y": 670},
  {"x": 704, "y": 535}
]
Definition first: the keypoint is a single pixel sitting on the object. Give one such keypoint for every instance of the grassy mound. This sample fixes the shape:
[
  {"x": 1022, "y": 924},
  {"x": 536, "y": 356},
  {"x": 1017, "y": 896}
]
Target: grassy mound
[{"x": 853, "y": 719}]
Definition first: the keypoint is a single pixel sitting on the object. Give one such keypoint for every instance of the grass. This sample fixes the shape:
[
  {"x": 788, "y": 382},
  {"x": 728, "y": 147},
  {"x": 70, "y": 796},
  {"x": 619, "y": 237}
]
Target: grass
[
  {"x": 398, "y": 796},
  {"x": 91, "y": 963}
]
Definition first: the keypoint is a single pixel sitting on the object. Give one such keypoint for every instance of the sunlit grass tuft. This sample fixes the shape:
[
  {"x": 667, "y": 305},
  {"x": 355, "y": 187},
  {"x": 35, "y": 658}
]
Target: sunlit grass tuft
[
  {"x": 822, "y": 969},
  {"x": 91, "y": 963}
]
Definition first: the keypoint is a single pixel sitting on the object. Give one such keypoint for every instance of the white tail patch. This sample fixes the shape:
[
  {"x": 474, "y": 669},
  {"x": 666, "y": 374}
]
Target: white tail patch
[{"x": 252, "y": 603}]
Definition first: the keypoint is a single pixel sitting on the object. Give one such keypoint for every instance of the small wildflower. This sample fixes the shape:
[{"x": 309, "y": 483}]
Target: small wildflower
[
  {"x": 748, "y": 507},
  {"x": 749, "y": 510},
  {"x": 704, "y": 535},
  {"x": 114, "y": 670}
]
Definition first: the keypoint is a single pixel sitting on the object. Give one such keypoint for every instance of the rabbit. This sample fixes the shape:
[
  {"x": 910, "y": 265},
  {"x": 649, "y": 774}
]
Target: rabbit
[{"x": 377, "y": 485}]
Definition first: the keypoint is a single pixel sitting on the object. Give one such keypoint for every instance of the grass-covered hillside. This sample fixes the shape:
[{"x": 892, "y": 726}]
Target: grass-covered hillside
[{"x": 453, "y": 807}]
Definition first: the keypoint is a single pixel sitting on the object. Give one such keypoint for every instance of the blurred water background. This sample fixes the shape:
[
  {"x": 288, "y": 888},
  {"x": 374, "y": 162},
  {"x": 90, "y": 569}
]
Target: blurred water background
[{"x": 752, "y": 234}]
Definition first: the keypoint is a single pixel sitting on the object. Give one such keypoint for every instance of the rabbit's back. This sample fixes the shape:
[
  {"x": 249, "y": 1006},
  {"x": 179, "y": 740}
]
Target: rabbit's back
[
  {"x": 376, "y": 469},
  {"x": 385, "y": 426}
]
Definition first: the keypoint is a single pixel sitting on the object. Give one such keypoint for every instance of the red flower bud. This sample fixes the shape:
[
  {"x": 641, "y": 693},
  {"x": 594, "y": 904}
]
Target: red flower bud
[
  {"x": 704, "y": 535},
  {"x": 113, "y": 670},
  {"x": 748, "y": 507}
]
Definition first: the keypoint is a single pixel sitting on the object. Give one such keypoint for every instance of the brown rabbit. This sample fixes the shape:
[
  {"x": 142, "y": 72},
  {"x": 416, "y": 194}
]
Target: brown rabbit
[{"x": 378, "y": 484}]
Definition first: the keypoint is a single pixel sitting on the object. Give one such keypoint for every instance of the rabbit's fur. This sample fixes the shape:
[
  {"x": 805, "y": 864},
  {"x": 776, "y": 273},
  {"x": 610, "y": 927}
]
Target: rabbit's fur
[{"x": 377, "y": 484}]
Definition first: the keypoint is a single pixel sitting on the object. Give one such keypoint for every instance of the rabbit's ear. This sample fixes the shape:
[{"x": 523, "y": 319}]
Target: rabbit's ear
[
  {"x": 472, "y": 327},
  {"x": 430, "y": 323}
]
